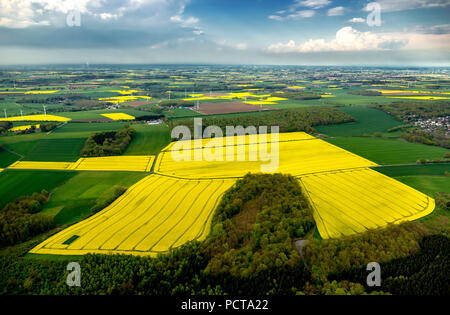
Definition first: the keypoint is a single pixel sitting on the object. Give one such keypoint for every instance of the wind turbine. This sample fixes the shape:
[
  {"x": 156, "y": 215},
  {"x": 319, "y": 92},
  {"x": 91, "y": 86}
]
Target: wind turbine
[{"x": 45, "y": 112}]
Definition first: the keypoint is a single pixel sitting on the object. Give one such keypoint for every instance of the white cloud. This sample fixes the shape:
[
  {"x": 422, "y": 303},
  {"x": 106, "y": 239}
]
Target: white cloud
[
  {"x": 302, "y": 14},
  {"x": 275, "y": 17},
  {"x": 294, "y": 11},
  {"x": 298, "y": 15},
  {"x": 190, "y": 22},
  {"x": 336, "y": 11},
  {"x": 108, "y": 16},
  {"x": 347, "y": 39},
  {"x": 28, "y": 13},
  {"x": 402, "y": 5},
  {"x": 357, "y": 20},
  {"x": 313, "y": 4}
]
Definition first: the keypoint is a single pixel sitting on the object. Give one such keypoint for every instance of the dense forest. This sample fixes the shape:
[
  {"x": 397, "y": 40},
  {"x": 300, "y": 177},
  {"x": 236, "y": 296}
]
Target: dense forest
[
  {"x": 108, "y": 142},
  {"x": 20, "y": 220},
  {"x": 250, "y": 251},
  {"x": 426, "y": 272},
  {"x": 252, "y": 234},
  {"x": 289, "y": 120}
]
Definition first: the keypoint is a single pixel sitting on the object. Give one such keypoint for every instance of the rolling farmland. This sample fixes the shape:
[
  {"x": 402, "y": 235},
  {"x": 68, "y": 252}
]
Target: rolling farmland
[
  {"x": 139, "y": 163},
  {"x": 166, "y": 209},
  {"x": 155, "y": 215}
]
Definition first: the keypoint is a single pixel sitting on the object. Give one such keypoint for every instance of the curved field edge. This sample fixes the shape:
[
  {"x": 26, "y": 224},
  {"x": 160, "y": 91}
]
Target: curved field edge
[{"x": 201, "y": 228}]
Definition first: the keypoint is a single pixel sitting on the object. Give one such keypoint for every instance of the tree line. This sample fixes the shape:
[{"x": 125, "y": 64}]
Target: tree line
[{"x": 288, "y": 120}]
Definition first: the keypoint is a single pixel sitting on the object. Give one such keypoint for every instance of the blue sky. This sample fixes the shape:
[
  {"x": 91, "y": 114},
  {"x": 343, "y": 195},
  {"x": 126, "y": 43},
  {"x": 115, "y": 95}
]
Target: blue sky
[{"x": 328, "y": 32}]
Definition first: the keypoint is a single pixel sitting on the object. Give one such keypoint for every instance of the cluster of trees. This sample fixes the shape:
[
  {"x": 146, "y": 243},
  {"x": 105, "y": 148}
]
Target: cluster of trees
[
  {"x": 5, "y": 126},
  {"x": 21, "y": 220},
  {"x": 108, "y": 142},
  {"x": 443, "y": 200},
  {"x": 289, "y": 120},
  {"x": 437, "y": 137},
  {"x": 253, "y": 231},
  {"x": 46, "y": 127}
]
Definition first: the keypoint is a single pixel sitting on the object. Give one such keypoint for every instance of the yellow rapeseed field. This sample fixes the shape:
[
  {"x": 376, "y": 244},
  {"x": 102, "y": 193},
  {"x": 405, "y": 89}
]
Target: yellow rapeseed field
[
  {"x": 124, "y": 98},
  {"x": 129, "y": 163},
  {"x": 140, "y": 163},
  {"x": 125, "y": 92},
  {"x": 25, "y": 127},
  {"x": 119, "y": 116},
  {"x": 299, "y": 153},
  {"x": 260, "y": 103},
  {"x": 36, "y": 118},
  {"x": 422, "y": 97},
  {"x": 41, "y": 92},
  {"x": 153, "y": 216},
  {"x": 352, "y": 201},
  {"x": 34, "y": 165}
]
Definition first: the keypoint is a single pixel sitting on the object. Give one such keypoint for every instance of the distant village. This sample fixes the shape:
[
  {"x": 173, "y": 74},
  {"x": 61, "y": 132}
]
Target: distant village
[{"x": 433, "y": 124}]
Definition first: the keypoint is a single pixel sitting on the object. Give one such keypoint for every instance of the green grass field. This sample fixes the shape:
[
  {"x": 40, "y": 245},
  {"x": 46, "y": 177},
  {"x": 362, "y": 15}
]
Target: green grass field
[
  {"x": 73, "y": 127},
  {"x": 7, "y": 158},
  {"x": 418, "y": 169},
  {"x": 15, "y": 183},
  {"x": 180, "y": 113},
  {"x": 388, "y": 151},
  {"x": 72, "y": 201},
  {"x": 368, "y": 121},
  {"x": 56, "y": 150},
  {"x": 149, "y": 140},
  {"x": 428, "y": 184}
]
